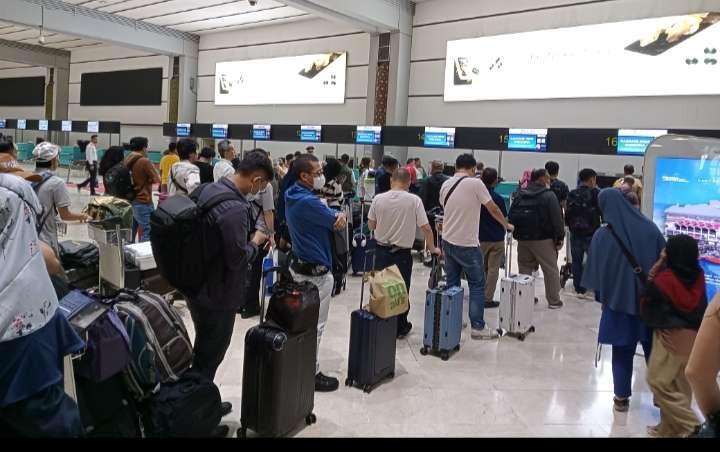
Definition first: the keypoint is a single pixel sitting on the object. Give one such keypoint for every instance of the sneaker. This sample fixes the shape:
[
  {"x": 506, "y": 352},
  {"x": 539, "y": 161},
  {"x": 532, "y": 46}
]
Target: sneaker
[
  {"x": 621, "y": 405},
  {"x": 324, "y": 383},
  {"x": 556, "y": 306},
  {"x": 402, "y": 332},
  {"x": 483, "y": 334},
  {"x": 491, "y": 304}
]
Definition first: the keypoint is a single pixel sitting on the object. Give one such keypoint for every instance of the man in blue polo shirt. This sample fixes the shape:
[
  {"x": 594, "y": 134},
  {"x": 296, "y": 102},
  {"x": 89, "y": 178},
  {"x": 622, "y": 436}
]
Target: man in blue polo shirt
[
  {"x": 492, "y": 238},
  {"x": 311, "y": 223}
]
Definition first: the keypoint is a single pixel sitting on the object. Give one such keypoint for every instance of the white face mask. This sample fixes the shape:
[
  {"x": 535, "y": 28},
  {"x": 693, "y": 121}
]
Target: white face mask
[{"x": 319, "y": 182}]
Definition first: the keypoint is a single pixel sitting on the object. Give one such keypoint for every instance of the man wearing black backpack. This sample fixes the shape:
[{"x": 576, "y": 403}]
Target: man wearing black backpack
[
  {"x": 540, "y": 232},
  {"x": 143, "y": 176},
  {"x": 582, "y": 217},
  {"x": 208, "y": 259}
]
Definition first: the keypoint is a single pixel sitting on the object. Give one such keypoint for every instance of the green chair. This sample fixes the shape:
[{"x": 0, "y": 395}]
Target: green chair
[
  {"x": 506, "y": 189},
  {"x": 66, "y": 156},
  {"x": 155, "y": 156},
  {"x": 100, "y": 153}
]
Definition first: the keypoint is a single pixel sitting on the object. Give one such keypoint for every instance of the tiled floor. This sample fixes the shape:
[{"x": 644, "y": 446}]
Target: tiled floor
[{"x": 546, "y": 386}]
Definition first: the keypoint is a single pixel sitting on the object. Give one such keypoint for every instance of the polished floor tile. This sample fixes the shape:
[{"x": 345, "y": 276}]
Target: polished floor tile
[{"x": 547, "y": 386}]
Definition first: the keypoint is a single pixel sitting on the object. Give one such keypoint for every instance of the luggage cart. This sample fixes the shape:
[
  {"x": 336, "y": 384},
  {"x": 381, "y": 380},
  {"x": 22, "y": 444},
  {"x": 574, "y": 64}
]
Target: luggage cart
[{"x": 111, "y": 246}]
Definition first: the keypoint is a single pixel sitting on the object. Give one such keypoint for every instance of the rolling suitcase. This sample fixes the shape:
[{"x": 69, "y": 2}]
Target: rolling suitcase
[
  {"x": 278, "y": 377},
  {"x": 372, "y": 347},
  {"x": 517, "y": 300},
  {"x": 443, "y": 320}
]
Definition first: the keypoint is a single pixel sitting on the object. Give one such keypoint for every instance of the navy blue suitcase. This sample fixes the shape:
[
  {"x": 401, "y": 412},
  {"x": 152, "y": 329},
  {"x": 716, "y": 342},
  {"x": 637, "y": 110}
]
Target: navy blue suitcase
[{"x": 373, "y": 340}]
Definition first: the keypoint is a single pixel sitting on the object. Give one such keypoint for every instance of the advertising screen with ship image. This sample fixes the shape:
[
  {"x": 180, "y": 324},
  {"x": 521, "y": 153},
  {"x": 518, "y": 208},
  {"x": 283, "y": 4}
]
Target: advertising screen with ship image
[
  {"x": 659, "y": 56},
  {"x": 687, "y": 201},
  {"x": 303, "y": 79}
]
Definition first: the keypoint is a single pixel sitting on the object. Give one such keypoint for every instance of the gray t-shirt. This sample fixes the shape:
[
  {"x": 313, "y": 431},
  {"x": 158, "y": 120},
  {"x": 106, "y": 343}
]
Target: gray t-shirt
[
  {"x": 53, "y": 195},
  {"x": 266, "y": 202}
]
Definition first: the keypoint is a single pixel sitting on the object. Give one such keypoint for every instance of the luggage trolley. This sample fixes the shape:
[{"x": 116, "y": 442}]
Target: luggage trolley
[{"x": 111, "y": 247}]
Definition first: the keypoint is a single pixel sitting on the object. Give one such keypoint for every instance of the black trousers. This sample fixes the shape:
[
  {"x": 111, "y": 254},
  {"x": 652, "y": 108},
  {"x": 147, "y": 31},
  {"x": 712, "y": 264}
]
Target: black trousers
[
  {"x": 213, "y": 332},
  {"x": 254, "y": 279},
  {"x": 92, "y": 179},
  {"x": 384, "y": 258}
]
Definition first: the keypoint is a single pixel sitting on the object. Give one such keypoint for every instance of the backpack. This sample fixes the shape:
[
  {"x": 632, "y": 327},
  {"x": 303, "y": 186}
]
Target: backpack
[
  {"x": 177, "y": 238},
  {"x": 42, "y": 218},
  {"x": 160, "y": 347},
  {"x": 187, "y": 408},
  {"x": 119, "y": 182},
  {"x": 528, "y": 216},
  {"x": 580, "y": 214}
]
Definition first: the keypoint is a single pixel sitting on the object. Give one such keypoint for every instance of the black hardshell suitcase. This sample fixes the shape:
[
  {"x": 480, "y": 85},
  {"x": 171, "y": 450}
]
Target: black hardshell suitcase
[
  {"x": 278, "y": 377},
  {"x": 373, "y": 341}
]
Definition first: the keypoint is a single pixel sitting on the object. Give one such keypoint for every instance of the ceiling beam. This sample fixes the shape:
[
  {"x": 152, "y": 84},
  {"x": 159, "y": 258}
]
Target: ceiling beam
[
  {"x": 65, "y": 18},
  {"x": 372, "y": 16},
  {"x": 20, "y": 52}
]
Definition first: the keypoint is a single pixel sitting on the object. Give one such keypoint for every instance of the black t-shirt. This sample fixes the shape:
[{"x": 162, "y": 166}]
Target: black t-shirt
[{"x": 206, "y": 172}]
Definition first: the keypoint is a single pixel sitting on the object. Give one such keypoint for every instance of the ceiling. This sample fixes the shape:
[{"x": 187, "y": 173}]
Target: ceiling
[{"x": 192, "y": 16}]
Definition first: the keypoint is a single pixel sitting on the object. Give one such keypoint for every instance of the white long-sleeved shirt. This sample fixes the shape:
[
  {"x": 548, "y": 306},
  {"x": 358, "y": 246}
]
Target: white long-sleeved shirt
[
  {"x": 91, "y": 153},
  {"x": 223, "y": 168}
]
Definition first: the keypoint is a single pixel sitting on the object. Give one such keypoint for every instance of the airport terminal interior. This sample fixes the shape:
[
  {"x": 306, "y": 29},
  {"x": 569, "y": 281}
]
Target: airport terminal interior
[{"x": 332, "y": 133}]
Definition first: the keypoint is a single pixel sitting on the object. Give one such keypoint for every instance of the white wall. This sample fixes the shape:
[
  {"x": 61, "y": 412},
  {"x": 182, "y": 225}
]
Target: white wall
[
  {"x": 438, "y": 21},
  {"x": 9, "y": 69},
  {"x": 136, "y": 121},
  {"x": 295, "y": 38}
]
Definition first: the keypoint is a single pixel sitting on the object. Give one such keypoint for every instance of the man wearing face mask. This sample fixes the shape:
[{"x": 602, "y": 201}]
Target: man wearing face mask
[
  {"x": 226, "y": 234},
  {"x": 311, "y": 224}
]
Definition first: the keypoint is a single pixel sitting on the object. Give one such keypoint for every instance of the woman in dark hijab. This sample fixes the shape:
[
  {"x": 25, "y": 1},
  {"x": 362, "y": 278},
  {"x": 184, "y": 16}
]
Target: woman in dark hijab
[
  {"x": 674, "y": 306},
  {"x": 618, "y": 283}
]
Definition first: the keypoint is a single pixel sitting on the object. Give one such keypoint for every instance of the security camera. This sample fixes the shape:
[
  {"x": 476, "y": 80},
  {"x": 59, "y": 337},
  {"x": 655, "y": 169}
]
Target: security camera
[{"x": 252, "y": 2}]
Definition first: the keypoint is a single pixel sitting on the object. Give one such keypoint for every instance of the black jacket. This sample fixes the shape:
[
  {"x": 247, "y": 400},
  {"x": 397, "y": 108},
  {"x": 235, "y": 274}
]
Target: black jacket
[
  {"x": 430, "y": 191},
  {"x": 552, "y": 216}
]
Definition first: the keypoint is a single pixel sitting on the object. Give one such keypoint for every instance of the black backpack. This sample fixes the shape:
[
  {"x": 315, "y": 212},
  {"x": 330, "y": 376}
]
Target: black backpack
[
  {"x": 119, "y": 182},
  {"x": 528, "y": 216},
  {"x": 580, "y": 214},
  {"x": 178, "y": 241}
]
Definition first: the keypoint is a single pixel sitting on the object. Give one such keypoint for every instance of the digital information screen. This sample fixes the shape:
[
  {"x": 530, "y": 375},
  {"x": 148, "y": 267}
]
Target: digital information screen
[
  {"x": 66, "y": 126},
  {"x": 534, "y": 140},
  {"x": 368, "y": 135},
  {"x": 21, "y": 124},
  {"x": 93, "y": 127},
  {"x": 439, "y": 137},
  {"x": 635, "y": 142},
  {"x": 687, "y": 201},
  {"x": 310, "y": 133},
  {"x": 2, "y": 123},
  {"x": 261, "y": 132},
  {"x": 182, "y": 130},
  {"x": 220, "y": 131},
  {"x": 43, "y": 124}
]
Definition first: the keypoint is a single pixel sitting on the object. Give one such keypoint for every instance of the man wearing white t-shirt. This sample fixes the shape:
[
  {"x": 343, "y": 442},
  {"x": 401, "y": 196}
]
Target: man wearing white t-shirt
[
  {"x": 91, "y": 165},
  {"x": 461, "y": 197},
  {"x": 394, "y": 216}
]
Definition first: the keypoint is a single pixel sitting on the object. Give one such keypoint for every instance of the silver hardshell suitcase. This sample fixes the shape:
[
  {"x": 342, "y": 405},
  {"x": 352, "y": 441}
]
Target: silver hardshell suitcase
[{"x": 517, "y": 300}]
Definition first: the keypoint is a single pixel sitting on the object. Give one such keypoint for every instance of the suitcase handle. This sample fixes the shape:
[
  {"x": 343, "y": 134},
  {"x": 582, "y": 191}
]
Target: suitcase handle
[
  {"x": 362, "y": 282},
  {"x": 508, "y": 254}
]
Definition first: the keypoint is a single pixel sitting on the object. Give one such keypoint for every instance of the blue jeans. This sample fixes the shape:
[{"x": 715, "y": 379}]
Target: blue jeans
[
  {"x": 579, "y": 247},
  {"x": 470, "y": 260},
  {"x": 141, "y": 216}
]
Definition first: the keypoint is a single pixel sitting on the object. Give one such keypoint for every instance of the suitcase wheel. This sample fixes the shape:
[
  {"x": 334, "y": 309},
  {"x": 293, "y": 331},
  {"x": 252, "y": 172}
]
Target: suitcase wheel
[
  {"x": 532, "y": 329},
  {"x": 457, "y": 348},
  {"x": 311, "y": 419},
  {"x": 424, "y": 351},
  {"x": 444, "y": 355},
  {"x": 367, "y": 389},
  {"x": 348, "y": 382},
  {"x": 391, "y": 375},
  {"x": 522, "y": 337},
  {"x": 242, "y": 432}
]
